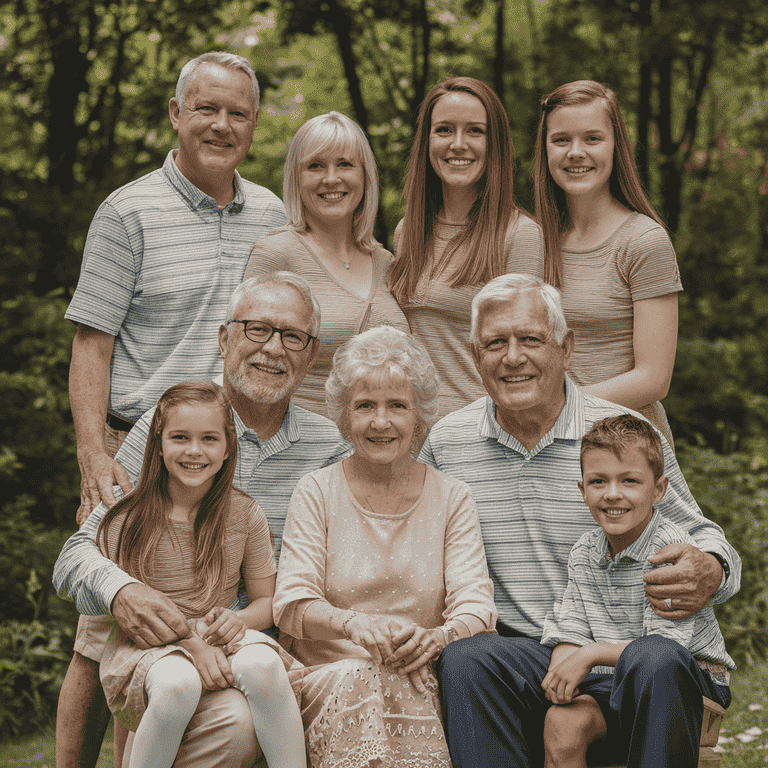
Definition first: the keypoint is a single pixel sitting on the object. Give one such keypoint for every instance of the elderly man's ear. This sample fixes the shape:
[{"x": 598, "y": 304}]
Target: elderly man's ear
[{"x": 568, "y": 344}]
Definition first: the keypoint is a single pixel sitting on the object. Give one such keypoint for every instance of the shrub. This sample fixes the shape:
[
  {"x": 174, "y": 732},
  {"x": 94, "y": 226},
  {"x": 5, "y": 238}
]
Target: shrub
[{"x": 732, "y": 491}]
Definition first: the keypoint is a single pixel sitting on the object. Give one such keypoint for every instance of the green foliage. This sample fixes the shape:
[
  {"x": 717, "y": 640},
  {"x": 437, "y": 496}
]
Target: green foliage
[
  {"x": 733, "y": 491},
  {"x": 33, "y": 661}
]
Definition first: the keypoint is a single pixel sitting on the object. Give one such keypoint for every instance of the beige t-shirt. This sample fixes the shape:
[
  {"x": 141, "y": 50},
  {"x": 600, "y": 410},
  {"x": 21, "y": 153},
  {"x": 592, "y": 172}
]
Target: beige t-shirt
[
  {"x": 600, "y": 286},
  {"x": 342, "y": 314},
  {"x": 440, "y": 316}
]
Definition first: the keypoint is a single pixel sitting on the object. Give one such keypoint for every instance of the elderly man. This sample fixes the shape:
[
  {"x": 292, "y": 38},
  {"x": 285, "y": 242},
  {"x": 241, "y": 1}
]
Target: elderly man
[
  {"x": 163, "y": 255},
  {"x": 518, "y": 449},
  {"x": 266, "y": 324}
]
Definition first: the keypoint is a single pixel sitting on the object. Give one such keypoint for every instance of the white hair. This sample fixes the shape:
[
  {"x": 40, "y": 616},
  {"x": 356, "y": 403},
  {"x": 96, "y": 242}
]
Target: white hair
[{"x": 220, "y": 59}]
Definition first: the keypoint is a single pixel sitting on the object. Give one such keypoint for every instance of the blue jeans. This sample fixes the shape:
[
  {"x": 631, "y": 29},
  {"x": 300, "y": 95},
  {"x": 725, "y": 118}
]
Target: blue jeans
[{"x": 494, "y": 706}]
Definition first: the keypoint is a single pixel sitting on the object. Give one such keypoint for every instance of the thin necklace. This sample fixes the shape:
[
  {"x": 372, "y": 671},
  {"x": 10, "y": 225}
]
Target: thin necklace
[{"x": 399, "y": 502}]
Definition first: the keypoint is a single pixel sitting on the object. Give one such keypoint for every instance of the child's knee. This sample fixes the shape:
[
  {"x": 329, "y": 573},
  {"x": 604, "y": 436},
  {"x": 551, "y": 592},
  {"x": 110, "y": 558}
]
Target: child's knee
[
  {"x": 259, "y": 669},
  {"x": 569, "y": 729},
  {"x": 174, "y": 683}
]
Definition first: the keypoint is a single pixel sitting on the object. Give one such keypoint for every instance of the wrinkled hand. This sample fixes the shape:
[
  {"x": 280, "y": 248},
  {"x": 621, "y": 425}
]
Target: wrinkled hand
[
  {"x": 561, "y": 681},
  {"x": 374, "y": 633},
  {"x": 148, "y": 617},
  {"x": 419, "y": 679},
  {"x": 690, "y": 581},
  {"x": 98, "y": 474},
  {"x": 212, "y": 666},
  {"x": 221, "y": 627},
  {"x": 416, "y": 647}
]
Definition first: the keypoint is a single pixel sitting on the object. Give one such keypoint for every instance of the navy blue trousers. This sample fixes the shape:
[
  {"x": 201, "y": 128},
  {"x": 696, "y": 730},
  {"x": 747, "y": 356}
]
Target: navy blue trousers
[{"x": 494, "y": 706}]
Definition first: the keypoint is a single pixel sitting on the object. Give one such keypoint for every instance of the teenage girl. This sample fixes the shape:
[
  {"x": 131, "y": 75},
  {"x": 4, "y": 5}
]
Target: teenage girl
[
  {"x": 607, "y": 251},
  {"x": 461, "y": 227},
  {"x": 185, "y": 531}
]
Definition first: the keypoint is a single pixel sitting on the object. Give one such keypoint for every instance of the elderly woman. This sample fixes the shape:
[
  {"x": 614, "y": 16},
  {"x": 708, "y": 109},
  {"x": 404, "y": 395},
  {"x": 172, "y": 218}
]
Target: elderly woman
[
  {"x": 330, "y": 189},
  {"x": 382, "y": 565}
]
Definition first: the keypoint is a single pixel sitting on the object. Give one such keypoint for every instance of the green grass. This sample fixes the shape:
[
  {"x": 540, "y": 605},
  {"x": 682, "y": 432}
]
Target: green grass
[{"x": 749, "y": 686}]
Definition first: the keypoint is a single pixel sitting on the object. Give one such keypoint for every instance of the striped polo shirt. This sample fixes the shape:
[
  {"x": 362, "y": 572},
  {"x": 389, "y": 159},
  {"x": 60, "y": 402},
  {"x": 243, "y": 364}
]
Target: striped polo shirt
[
  {"x": 160, "y": 264},
  {"x": 605, "y": 599},
  {"x": 531, "y": 510},
  {"x": 267, "y": 470}
]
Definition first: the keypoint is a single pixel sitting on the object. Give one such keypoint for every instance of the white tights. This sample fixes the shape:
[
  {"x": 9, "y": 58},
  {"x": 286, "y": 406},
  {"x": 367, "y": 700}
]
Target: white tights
[{"x": 173, "y": 692}]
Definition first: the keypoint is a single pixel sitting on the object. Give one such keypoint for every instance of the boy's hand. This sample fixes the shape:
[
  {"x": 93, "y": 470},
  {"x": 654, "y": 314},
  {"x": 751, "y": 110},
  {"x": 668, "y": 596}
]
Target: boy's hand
[
  {"x": 221, "y": 626},
  {"x": 561, "y": 681},
  {"x": 212, "y": 666}
]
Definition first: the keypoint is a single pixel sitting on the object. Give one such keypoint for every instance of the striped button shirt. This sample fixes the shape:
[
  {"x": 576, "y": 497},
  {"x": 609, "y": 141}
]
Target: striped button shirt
[
  {"x": 605, "y": 599},
  {"x": 267, "y": 470},
  {"x": 160, "y": 264},
  {"x": 531, "y": 511}
]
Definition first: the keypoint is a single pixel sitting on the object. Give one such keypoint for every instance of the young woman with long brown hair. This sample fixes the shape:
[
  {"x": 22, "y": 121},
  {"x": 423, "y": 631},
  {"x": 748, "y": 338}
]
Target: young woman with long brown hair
[
  {"x": 607, "y": 250},
  {"x": 461, "y": 227}
]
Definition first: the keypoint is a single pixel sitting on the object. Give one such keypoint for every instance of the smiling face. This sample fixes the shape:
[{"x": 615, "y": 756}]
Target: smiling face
[
  {"x": 620, "y": 493},
  {"x": 381, "y": 420},
  {"x": 520, "y": 362},
  {"x": 331, "y": 186},
  {"x": 266, "y": 373},
  {"x": 580, "y": 146},
  {"x": 215, "y": 125},
  {"x": 193, "y": 447},
  {"x": 458, "y": 139}
]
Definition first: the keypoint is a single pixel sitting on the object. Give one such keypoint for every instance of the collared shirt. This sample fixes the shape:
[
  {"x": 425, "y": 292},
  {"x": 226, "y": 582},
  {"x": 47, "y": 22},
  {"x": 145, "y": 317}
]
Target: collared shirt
[
  {"x": 531, "y": 510},
  {"x": 266, "y": 470},
  {"x": 605, "y": 600},
  {"x": 160, "y": 264}
]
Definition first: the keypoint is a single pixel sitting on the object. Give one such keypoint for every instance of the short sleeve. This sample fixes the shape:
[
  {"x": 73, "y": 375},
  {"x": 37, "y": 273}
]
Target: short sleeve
[
  {"x": 258, "y": 558},
  {"x": 649, "y": 264},
  {"x": 110, "y": 268},
  {"x": 524, "y": 247},
  {"x": 268, "y": 256}
]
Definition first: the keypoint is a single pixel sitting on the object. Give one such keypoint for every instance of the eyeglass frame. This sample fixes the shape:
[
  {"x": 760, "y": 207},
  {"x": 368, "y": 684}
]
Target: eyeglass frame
[{"x": 275, "y": 330}]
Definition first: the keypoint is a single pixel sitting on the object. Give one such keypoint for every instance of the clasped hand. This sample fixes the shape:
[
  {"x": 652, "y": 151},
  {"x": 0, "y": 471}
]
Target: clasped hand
[
  {"x": 402, "y": 647},
  {"x": 215, "y": 633}
]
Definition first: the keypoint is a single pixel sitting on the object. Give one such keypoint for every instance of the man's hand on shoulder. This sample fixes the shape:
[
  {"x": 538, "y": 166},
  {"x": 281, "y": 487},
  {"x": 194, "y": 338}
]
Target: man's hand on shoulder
[
  {"x": 684, "y": 587},
  {"x": 98, "y": 474},
  {"x": 148, "y": 617}
]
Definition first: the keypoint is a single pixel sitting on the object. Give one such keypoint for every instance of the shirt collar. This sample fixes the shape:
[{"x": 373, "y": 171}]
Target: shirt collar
[
  {"x": 288, "y": 432},
  {"x": 570, "y": 424},
  {"x": 194, "y": 197},
  {"x": 638, "y": 551}
]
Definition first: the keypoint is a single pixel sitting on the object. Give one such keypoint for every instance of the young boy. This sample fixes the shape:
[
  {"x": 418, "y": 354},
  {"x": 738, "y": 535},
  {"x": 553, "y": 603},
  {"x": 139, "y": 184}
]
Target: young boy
[{"x": 604, "y": 607}]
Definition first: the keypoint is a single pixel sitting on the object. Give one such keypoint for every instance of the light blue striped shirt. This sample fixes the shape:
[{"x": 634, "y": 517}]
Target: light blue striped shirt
[
  {"x": 160, "y": 265},
  {"x": 531, "y": 511},
  {"x": 266, "y": 470},
  {"x": 605, "y": 600}
]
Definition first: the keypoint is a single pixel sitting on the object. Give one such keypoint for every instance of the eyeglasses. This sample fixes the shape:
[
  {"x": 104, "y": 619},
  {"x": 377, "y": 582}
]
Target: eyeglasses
[{"x": 261, "y": 333}]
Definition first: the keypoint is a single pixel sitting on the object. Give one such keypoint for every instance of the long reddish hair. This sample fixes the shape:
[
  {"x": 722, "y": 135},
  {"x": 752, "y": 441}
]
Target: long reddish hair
[
  {"x": 144, "y": 511},
  {"x": 489, "y": 217},
  {"x": 551, "y": 203}
]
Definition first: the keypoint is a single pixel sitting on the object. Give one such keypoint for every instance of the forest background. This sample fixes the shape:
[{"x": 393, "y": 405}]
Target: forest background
[{"x": 84, "y": 87}]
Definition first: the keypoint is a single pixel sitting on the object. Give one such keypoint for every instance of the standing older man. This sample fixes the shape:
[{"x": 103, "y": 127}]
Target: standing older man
[
  {"x": 268, "y": 343},
  {"x": 163, "y": 255},
  {"x": 518, "y": 449}
]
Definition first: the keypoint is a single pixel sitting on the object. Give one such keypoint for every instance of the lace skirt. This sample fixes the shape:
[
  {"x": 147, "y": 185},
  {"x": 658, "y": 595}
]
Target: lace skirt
[{"x": 357, "y": 715}]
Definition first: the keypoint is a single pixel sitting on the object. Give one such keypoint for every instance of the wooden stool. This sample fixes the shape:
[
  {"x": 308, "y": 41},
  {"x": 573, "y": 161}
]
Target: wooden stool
[{"x": 710, "y": 730}]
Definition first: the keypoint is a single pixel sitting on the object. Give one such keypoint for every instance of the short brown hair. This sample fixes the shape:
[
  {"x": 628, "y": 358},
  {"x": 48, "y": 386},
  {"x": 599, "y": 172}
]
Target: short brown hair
[{"x": 616, "y": 433}]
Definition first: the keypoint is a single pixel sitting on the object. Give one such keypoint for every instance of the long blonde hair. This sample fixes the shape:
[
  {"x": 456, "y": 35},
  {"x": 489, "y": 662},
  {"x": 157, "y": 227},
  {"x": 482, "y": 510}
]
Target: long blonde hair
[
  {"x": 145, "y": 508},
  {"x": 490, "y": 215}
]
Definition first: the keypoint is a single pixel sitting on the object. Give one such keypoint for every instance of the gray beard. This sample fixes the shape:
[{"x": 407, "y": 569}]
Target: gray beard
[{"x": 242, "y": 381}]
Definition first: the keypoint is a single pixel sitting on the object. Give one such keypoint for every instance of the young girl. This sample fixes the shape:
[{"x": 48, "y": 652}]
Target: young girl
[
  {"x": 461, "y": 227},
  {"x": 184, "y": 530},
  {"x": 607, "y": 251}
]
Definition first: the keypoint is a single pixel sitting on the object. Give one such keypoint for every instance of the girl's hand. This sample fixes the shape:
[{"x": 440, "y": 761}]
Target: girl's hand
[
  {"x": 222, "y": 627},
  {"x": 416, "y": 648},
  {"x": 560, "y": 683},
  {"x": 212, "y": 666}
]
